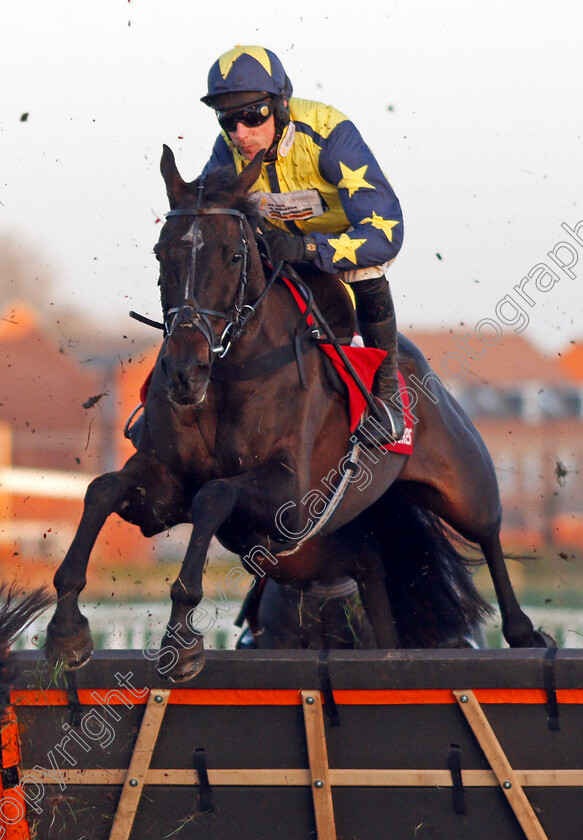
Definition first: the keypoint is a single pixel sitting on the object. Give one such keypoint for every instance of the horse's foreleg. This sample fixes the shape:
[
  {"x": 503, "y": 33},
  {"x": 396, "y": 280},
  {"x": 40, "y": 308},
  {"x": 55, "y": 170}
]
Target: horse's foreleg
[
  {"x": 182, "y": 650},
  {"x": 68, "y": 637},
  {"x": 517, "y": 627}
]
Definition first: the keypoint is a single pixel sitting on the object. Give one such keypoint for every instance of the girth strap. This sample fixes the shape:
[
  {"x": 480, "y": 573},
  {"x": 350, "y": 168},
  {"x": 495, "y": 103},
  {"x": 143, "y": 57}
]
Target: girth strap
[{"x": 337, "y": 496}]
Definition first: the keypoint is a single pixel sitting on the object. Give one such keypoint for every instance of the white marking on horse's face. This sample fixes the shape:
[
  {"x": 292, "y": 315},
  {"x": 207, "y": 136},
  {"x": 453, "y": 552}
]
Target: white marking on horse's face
[{"x": 189, "y": 237}]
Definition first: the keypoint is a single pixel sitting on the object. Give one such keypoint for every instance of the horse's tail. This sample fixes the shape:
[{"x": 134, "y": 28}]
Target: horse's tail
[
  {"x": 15, "y": 615},
  {"x": 432, "y": 593}
]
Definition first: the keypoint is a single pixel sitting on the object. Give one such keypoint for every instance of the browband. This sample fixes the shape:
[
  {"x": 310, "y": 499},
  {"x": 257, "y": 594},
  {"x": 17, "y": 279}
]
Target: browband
[{"x": 211, "y": 211}]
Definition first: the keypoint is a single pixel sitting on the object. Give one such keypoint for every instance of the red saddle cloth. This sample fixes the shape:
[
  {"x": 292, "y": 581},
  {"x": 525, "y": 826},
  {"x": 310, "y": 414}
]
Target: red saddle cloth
[{"x": 365, "y": 361}]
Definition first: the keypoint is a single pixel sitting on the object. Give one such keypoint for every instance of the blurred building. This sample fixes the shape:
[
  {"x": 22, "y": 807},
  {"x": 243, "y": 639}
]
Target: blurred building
[
  {"x": 43, "y": 389},
  {"x": 529, "y": 409},
  {"x": 61, "y": 410}
]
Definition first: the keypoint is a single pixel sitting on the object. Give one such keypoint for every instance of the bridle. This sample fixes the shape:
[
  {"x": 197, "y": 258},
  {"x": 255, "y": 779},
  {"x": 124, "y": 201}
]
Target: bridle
[{"x": 189, "y": 313}]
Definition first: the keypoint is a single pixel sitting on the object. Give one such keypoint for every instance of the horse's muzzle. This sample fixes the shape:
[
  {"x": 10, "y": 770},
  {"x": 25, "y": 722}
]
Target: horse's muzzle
[{"x": 186, "y": 383}]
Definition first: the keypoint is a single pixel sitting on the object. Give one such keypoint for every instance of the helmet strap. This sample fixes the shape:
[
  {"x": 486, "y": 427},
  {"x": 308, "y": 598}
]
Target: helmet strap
[
  {"x": 271, "y": 153},
  {"x": 280, "y": 113},
  {"x": 281, "y": 118}
]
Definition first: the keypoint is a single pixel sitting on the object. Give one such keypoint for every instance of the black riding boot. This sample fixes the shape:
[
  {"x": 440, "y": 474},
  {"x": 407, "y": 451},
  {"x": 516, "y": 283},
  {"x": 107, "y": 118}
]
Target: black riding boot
[{"x": 378, "y": 327}]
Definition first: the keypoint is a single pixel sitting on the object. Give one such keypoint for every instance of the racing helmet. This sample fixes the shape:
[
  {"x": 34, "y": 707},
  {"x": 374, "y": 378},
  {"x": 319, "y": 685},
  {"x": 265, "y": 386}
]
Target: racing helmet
[{"x": 249, "y": 69}]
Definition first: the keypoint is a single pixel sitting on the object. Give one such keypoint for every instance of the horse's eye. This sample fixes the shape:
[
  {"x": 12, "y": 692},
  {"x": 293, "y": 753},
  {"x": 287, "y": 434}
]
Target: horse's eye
[{"x": 236, "y": 259}]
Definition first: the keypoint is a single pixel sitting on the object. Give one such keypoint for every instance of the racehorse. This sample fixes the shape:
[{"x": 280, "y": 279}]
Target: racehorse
[{"x": 243, "y": 422}]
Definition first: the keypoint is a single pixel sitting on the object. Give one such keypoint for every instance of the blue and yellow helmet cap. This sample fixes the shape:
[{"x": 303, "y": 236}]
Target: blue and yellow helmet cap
[{"x": 247, "y": 68}]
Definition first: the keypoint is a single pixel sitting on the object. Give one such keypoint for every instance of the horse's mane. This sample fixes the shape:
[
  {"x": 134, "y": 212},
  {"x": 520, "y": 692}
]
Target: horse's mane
[{"x": 220, "y": 187}]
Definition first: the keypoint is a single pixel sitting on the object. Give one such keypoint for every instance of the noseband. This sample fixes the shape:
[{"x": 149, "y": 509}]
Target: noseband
[{"x": 189, "y": 312}]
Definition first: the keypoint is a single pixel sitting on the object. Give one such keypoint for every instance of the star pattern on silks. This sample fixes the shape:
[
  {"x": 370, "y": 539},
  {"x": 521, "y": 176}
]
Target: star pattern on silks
[
  {"x": 227, "y": 60},
  {"x": 386, "y": 225},
  {"x": 353, "y": 179},
  {"x": 345, "y": 247}
]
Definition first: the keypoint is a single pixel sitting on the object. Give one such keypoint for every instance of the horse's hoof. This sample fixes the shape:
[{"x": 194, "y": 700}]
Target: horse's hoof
[
  {"x": 540, "y": 639},
  {"x": 537, "y": 639},
  {"x": 72, "y": 652},
  {"x": 186, "y": 668}
]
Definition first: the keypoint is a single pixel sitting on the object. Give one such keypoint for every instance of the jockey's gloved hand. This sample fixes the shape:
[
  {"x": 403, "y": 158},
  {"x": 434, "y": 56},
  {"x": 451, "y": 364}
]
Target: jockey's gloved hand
[{"x": 291, "y": 249}]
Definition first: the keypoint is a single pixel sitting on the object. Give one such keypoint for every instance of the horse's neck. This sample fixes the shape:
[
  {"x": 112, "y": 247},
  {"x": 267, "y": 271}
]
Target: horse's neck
[{"x": 273, "y": 325}]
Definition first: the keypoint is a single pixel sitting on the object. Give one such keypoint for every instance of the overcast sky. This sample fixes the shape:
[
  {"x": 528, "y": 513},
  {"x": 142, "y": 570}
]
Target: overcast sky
[{"x": 474, "y": 110}]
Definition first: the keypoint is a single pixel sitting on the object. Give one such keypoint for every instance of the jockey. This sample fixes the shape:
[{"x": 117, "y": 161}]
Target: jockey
[{"x": 321, "y": 192}]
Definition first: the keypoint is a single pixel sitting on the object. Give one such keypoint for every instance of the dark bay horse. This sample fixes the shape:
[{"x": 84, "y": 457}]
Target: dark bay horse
[{"x": 244, "y": 424}]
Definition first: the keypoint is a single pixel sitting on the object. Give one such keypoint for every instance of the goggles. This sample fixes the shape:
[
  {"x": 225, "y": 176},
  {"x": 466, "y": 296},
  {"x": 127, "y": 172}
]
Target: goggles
[{"x": 251, "y": 116}]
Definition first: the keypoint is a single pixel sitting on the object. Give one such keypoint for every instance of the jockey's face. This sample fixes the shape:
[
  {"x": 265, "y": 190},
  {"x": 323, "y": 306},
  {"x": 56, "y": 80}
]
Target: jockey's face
[{"x": 249, "y": 141}]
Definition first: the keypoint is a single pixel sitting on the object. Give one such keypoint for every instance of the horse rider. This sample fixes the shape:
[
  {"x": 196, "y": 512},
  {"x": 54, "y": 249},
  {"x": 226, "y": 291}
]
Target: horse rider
[{"x": 321, "y": 192}]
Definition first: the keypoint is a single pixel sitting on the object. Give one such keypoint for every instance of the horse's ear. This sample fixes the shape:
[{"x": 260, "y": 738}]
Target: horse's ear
[
  {"x": 174, "y": 183},
  {"x": 250, "y": 173}
]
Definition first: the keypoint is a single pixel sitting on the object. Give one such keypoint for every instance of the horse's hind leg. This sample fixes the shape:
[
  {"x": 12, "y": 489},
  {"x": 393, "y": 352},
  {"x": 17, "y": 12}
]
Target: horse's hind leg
[
  {"x": 455, "y": 479},
  {"x": 478, "y": 520},
  {"x": 370, "y": 576},
  {"x": 481, "y": 525},
  {"x": 378, "y": 610},
  {"x": 517, "y": 627}
]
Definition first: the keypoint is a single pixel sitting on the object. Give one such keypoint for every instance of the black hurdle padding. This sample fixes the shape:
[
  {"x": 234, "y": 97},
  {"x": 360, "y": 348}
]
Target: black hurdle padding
[
  {"x": 73, "y": 703},
  {"x": 205, "y": 797},
  {"x": 550, "y": 680},
  {"x": 10, "y": 776},
  {"x": 330, "y": 706},
  {"x": 454, "y": 765}
]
